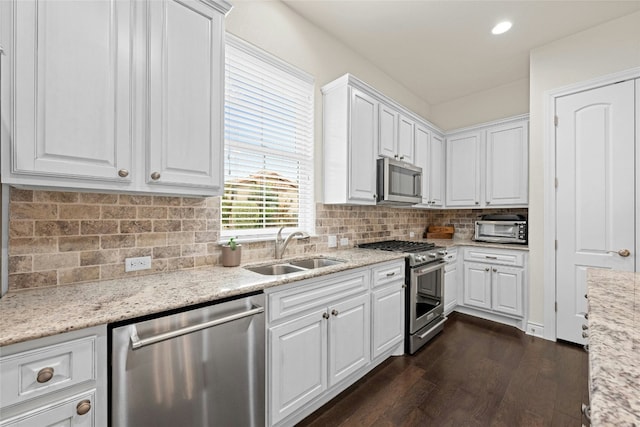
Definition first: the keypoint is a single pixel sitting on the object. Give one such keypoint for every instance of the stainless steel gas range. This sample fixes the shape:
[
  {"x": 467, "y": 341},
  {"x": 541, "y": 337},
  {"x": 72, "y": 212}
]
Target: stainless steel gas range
[{"x": 425, "y": 285}]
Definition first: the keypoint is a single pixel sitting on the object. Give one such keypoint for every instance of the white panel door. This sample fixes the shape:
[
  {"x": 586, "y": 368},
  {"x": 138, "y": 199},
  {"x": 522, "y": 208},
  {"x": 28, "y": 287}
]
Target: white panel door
[
  {"x": 388, "y": 131},
  {"x": 406, "y": 139},
  {"x": 477, "y": 285},
  {"x": 301, "y": 347},
  {"x": 423, "y": 140},
  {"x": 507, "y": 165},
  {"x": 349, "y": 337},
  {"x": 186, "y": 55},
  {"x": 595, "y": 196},
  {"x": 506, "y": 290},
  {"x": 73, "y": 79},
  {"x": 388, "y": 317},
  {"x": 436, "y": 171},
  {"x": 463, "y": 170},
  {"x": 362, "y": 160},
  {"x": 62, "y": 414}
]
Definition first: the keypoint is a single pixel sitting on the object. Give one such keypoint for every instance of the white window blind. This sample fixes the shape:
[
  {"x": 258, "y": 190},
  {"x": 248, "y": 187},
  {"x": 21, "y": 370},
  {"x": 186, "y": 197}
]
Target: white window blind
[{"x": 268, "y": 144}]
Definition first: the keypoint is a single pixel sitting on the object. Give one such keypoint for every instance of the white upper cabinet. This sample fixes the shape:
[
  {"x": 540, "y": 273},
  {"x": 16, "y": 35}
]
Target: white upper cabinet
[
  {"x": 487, "y": 165},
  {"x": 406, "y": 139},
  {"x": 429, "y": 155},
  {"x": 463, "y": 169},
  {"x": 388, "y": 132},
  {"x": 105, "y": 93},
  {"x": 72, "y": 94},
  {"x": 186, "y": 52},
  {"x": 507, "y": 165}
]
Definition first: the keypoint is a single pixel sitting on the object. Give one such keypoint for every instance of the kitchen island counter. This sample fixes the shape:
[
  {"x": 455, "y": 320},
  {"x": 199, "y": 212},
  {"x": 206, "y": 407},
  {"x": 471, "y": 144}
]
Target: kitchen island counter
[
  {"x": 35, "y": 313},
  {"x": 614, "y": 347}
]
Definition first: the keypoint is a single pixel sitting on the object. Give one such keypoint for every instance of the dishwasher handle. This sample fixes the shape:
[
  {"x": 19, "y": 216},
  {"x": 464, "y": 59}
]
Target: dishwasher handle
[{"x": 137, "y": 342}]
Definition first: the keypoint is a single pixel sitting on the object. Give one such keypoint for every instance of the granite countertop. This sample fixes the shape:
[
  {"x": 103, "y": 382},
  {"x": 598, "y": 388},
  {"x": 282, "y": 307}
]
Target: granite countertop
[
  {"x": 448, "y": 243},
  {"x": 35, "y": 313},
  {"x": 614, "y": 347}
]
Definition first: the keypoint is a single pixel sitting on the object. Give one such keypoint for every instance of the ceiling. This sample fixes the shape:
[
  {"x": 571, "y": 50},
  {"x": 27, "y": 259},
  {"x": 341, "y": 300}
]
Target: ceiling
[{"x": 443, "y": 49}]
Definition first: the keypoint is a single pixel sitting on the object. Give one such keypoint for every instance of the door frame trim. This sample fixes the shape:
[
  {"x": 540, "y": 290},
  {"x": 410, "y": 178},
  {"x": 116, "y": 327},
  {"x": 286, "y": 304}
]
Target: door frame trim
[{"x": 549, "y": 146}]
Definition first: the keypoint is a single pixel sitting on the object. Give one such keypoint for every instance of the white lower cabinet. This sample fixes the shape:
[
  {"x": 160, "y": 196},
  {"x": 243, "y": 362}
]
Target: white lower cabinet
[
  {"x": 322, "y": 332},
  {"x": 451, "y": 281},
  {"x": 492, "y": 286},
  {"x": 55, "y": 381}
]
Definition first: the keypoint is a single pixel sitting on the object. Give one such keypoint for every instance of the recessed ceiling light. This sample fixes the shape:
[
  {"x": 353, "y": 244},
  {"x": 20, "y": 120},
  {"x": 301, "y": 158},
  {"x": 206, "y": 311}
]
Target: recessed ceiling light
[{"x": 502, "y": 27}]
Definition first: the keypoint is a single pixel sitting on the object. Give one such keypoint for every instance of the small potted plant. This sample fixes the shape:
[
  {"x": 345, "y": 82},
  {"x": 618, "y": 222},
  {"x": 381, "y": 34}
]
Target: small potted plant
[{"x": 231, "y": 253}]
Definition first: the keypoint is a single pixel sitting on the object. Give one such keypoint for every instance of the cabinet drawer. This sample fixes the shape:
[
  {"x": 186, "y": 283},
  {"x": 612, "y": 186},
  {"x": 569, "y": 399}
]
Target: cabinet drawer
[
  {"x": 515, "y": 258},
  {"x": 34, "y": 373},
  {"x": 64, "y": 413},
  {"x": 297, "y": 300},
  {"x": 388, "y": 273}
]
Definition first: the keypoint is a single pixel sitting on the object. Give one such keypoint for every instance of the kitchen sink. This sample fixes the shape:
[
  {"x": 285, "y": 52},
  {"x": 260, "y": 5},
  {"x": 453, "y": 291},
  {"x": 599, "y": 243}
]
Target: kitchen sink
[
  {"x": 312, "y": 263},
  {"x": 276, "y": 269},
  {"x": 293, "y": 266}
]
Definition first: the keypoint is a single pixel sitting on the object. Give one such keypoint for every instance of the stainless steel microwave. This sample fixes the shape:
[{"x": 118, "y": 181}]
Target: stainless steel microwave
[
  {"x": 499, "y": 230},
  {"x": 398, "y": 183}
]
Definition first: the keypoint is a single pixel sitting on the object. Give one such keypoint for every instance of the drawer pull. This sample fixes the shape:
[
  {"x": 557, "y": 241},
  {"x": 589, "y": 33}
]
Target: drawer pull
[
  {"x": 325, "y": 315},
  {"x": 391, "y": 274},
  {"x": 490, "y": 257},
  {"x": 83, "y": 407},
  {"x": 155, "y": 176},
  {"x": 334, "y": 312},
  {"x": 44, "y": 375}
]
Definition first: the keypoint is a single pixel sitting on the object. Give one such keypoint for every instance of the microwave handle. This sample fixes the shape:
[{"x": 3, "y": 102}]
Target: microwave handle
[{"x": 417, "y": 178}]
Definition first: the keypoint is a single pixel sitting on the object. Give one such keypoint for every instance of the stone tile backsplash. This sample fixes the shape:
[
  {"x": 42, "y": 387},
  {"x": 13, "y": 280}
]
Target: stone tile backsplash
[{"x": 58, "y": 238}]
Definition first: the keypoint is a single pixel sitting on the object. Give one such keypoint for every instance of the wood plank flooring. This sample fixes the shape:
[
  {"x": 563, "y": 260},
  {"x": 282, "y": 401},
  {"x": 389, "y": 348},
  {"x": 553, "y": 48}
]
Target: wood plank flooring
[{"x": 475, "y": 373}]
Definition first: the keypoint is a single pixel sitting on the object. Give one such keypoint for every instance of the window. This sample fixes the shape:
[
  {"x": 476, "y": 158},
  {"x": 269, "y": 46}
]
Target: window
[{"x": 268, "y": 147}]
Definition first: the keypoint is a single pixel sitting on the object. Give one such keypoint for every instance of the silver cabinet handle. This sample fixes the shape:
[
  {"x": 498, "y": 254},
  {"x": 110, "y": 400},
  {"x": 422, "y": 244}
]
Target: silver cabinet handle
[
  {"x": 477, "y": 203},
  {"x": 490, "y": 257},
  {"x": 325, "y": 315},
  {"x": 155, "y": 176},
  {"x": 586, "y": 347},
  {"x": 1, "y": 50},
  {"x": 123, "y": 173},
  {"x": 586, "y": 410},
  {"x": 391, "y": 274},
  {"x": 584, "y": 327},
  {"x": 404, "y": 286},
  {"x": 137, "y": 342},
  {"x": 395, "y": 156},
  {"x": 334, "y": 312},
  {"x": 586, "y": 316},
  {"x": 83, "y": 407},
  {"x": 585, "y": 335},
  {"x": 622, "y": 252},
  {"x": 401, "y": 157}
]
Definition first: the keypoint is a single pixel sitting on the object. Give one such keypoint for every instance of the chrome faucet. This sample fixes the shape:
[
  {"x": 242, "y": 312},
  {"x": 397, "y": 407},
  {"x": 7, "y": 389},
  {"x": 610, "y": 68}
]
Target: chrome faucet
[{"x": 281, "y": 244}]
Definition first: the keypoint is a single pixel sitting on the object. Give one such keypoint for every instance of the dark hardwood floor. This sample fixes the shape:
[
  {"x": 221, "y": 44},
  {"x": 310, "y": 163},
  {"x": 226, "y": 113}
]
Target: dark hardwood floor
[{"x": 475, "y": 373}]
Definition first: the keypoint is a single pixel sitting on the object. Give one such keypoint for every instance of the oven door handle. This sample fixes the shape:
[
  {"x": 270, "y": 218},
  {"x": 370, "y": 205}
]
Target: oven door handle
[
  {"x": 432, "y": 328},
  {"x": 429, "y": 269}
]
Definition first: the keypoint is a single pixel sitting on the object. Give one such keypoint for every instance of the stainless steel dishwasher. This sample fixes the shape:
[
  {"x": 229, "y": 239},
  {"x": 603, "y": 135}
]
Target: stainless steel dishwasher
[{"x": 198, "y": 368}]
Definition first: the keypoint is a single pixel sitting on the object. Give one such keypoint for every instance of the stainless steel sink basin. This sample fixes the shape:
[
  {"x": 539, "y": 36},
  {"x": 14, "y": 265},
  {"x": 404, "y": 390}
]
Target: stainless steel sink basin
[
  {"x": 312, "y": 263},
  {"x": 275, "y": 269},
  {"x": 294, "y": 266}
]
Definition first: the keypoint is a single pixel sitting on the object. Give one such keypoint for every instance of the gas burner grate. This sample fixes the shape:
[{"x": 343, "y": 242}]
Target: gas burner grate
[{"x": 398, "y": 246}]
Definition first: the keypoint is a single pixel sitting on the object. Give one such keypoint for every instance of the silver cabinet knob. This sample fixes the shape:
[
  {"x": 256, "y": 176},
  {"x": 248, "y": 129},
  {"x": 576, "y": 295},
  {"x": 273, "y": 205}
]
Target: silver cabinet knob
[
  {"x": 404, "y": 286},
  {"x": 494, "y": 270},
  {"x": 44, "y": 375},
  {"x": 477, "y": 203},
  {"x": 325, "y": 315},
  {"x": 586, "y": 347},
  {"x": 83, "y": 407},
  {"x": 586, "y": 315},
  {"x": 375, "y": 196},
  {"x": 585, "y": 335},
  {"x": 586, "y": 410},
  {"x": 585, "y": 327},
  {"x": 155, "y": 176},
  {"x": 395, "y": 156},
  {"x": 123, "y": 173},
  {"x": 401, "y": 157},
  {"x": 488, "y": 202},
  {"x": 624, "y": 253},
  {"x": 334, "y": 312},
  {"x": 487, "y": 269}
]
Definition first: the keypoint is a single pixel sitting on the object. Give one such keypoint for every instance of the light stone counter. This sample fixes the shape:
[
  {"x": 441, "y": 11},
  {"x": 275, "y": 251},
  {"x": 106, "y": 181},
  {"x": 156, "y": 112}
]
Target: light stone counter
[
  {"x": 448, "y": 243},
  {"x": 614, "y": 347},
  {"x": 35, "y": 313}
]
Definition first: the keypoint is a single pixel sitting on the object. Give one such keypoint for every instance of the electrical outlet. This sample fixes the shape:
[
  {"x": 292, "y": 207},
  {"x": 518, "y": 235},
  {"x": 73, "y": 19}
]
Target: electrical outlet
[
  {"x": 332, "y": 241},
  {"x": 136, "y": 264},
  {"x": 412, "y": 234},
  {"x": 344, "y": 242}
]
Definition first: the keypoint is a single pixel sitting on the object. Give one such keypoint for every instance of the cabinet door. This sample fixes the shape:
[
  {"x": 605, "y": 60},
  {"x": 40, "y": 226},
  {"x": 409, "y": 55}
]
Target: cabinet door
[
  {"x": 435, "y": 170},
  {"x": 298, "y": 363},
  {"x": 406, "y": 139},
  {"x": 363, "y": 142},
  {"x": 63, "y": 413},
  {"x": 463, "y": 170},
  {"x": 422, "y": 159},
  {"x": 72, "y": 81},
  {"x": 186, "y": 59},
  {"x": 388, "y": 317},
  {"x": 388, "y": 131},
  {"x": 450, "y": 288},
  {"x": 507, "y": 290},
  {"x": 349, "y": 337},
  {"x": 477, "y": 285},
  {"x": 507, "y": 165}
]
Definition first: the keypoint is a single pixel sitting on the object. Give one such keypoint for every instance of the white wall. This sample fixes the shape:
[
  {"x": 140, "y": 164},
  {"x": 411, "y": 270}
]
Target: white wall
[
  {"x": 272, "y": 26},
  {"x": 608, "y": 48},
  {"x": 497, "y": 103}
]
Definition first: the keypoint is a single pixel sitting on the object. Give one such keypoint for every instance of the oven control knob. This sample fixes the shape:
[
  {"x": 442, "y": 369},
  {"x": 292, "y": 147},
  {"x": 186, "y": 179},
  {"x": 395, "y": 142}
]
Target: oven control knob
[{"x": 432, "y": 255}]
